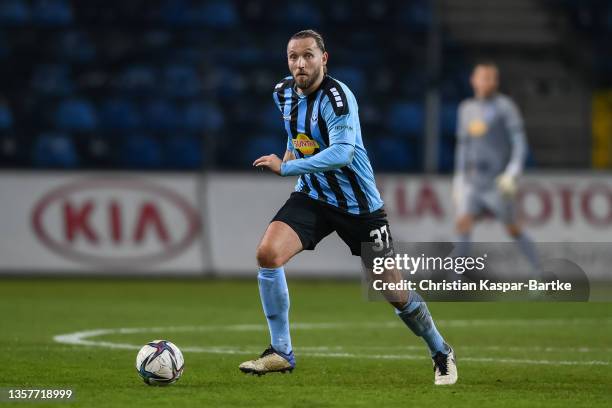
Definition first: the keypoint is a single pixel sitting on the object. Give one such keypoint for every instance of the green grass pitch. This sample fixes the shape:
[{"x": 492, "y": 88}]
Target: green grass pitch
[{"x": 350, "y": 352}]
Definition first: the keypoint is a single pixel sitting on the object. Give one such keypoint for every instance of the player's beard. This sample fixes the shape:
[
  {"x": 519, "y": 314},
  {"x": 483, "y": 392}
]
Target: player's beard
[{"x": 305, "y": 82}]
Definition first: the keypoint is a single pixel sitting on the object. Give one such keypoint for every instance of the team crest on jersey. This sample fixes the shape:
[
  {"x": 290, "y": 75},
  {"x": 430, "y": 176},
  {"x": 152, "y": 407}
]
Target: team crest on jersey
[
  {"x": 305, "y": 144},
  {"x": 477, "y": 128},
  {"x": 315, "y": 114}
]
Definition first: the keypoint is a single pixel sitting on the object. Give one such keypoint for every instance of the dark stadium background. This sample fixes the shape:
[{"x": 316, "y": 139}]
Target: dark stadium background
[{"x": 186, "y": 85}]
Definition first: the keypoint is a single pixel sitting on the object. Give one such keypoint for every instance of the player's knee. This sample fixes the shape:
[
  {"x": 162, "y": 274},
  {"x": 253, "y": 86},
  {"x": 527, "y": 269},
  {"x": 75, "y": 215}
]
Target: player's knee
[
  {"x": 269, "y": 257},
  {"x": 513, "y": 230}
]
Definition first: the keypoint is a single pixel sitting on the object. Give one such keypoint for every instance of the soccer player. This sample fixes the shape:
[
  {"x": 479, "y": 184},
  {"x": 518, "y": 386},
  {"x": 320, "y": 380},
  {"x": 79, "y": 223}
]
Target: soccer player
[
  {"x": 491, "y": 151},
  {"x": 335, "y": 191}
]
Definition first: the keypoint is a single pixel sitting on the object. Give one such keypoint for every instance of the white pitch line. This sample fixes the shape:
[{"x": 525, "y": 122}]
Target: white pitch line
[
  {"x": 83, "y": 338},
  {"x": 373, "y": 325},
  {"x": 582, "y": 349}
]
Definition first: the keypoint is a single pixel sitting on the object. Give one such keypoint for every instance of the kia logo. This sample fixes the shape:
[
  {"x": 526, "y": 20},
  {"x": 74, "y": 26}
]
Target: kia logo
[{"x": 111, "y": 222}]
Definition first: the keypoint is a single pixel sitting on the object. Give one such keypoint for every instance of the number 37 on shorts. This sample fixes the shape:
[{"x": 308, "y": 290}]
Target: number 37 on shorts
[{"x": 382, "y": 240}]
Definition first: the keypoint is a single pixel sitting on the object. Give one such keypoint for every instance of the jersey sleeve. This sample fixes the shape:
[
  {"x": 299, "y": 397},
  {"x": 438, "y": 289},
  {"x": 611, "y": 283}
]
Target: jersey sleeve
[
  {"x": 340, "y": 115},
  {"x": 334, "y": 157},
  {"x": 512, "y": 117},
  {"x": 518, "y": 141},
  {"x": 460, "y": 149}
]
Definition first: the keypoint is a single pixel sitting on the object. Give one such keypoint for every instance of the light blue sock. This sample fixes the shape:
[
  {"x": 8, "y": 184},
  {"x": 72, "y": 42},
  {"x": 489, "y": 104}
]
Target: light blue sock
[
  {"x": 416, "y": 316},
  {"x": 275, "y": 301},
  {"x": 528, "y": 249},
  {"x": 462, "y": 246}
]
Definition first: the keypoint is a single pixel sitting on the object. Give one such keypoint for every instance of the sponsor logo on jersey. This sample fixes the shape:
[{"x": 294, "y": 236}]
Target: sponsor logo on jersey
[
  {"x": 305, "y": 144},
  {"x": 477, "y": 128},
  {"x": 340, "y": 128}
]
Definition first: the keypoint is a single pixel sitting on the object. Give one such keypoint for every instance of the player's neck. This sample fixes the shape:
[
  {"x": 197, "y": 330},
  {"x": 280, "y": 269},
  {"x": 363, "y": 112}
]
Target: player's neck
[
  {"x": 312, "y": 87},
  {"x": 486, "y": 97}
]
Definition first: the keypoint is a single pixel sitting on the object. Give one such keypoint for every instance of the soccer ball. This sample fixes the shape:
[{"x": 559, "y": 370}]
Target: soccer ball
[{"x": 160, "y": 363}]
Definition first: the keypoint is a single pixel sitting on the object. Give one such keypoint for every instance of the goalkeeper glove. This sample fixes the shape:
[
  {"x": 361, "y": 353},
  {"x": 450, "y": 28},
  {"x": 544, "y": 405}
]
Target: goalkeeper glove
[{"x": 506, "y": 184}]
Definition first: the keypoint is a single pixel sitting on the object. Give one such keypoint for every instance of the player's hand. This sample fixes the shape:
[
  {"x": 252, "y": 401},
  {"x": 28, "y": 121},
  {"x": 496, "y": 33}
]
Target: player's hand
[
  {"x": 506, "y": 184},
  {"x": 271, "y": 161}
]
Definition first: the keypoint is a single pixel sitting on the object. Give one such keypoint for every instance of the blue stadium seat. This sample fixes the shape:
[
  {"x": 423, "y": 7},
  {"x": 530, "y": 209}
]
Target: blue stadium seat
[
  {"x": 55, "y": 150},
  {"x": 201, "y": 116},
  {"x": 119, "y": 114},
  {"x": 187, "y": 55},
  {"x": 140, "y": 151},
  {"x": 413, "y": 85},
  {"x": 370, "y": 114},
  {"x": 227, "y": 84},
  {"x": 6, "y": 117},
  {"x": 12, "y": 150},
  {"x": 52, "y": 79},
  {"x": 237, "y": 57},
  {"x": 394, "y": 154},
  {"x": 212, "y": 14},
  {"x": 181, "y": 81},
  {"x": 448, "y": 119},
  {"x": 52, "y": 12},
  {"x": 138, "y": 80},
  {"x": 270, "y": 118},
  {"x": 301, "y": 13},
  {"x": 160, "y": 114},
  {"x": 446, "y": 155},
  {"x": 175, "y": 12},
  {"x": 184, "y": 152},
  {"x": 156, "y": 40},
  {"x": 456, "y": 84},
  {"x": 415, "y": 15},
  {"x": 340, "y": 12},
  {"x": 216, "y": 14},
  {"x": 354, "y": 78},
  {"x": 407, "y": 118},
  {"x": 75, "y": 46},
  {"x": 76, "y": 115},
  {"x": 97, "y": 150},
  {"x": 14, "y": 12}
]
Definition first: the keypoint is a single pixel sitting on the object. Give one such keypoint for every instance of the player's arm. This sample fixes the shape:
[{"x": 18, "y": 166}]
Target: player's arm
[
  {"x": 506, "y": 182},
  {"x": 334, "y": 157},
  {"x": 460, "y": 156},
  {"x": 518, "y": 141}
]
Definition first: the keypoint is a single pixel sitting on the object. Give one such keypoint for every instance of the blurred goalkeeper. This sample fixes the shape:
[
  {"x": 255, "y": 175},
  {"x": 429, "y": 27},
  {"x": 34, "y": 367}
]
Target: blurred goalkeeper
[{"x": 490, "y": 155}]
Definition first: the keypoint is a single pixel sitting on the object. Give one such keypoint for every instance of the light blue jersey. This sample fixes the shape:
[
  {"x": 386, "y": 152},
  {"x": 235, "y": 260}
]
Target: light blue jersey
[{"x": 324, "y": 134}]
